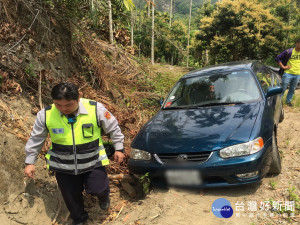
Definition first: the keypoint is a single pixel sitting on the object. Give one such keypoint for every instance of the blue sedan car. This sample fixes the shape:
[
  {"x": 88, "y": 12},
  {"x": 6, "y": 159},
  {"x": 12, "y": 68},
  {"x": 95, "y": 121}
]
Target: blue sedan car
[{"x": 217, "y": 127}]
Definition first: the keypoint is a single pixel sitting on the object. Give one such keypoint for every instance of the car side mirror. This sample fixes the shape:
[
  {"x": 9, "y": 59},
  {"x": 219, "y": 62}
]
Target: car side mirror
[
  {"x": 274, "y": 91},
  {"x": 161, "y": 102}
]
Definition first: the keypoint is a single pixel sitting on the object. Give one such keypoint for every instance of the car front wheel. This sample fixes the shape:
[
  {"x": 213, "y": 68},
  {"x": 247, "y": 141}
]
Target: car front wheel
[{"x": 275, "y": 167}]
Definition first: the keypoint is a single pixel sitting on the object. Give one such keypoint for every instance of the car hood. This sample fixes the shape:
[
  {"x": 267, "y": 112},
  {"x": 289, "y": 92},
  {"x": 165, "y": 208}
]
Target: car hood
[{"x": 201, "y": 129}]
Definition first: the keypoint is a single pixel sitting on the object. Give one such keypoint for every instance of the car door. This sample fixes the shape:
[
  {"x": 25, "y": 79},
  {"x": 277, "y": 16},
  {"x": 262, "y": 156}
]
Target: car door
[
  {"x": 278, "y": 107},
  {"x": 267, "y": 80}
]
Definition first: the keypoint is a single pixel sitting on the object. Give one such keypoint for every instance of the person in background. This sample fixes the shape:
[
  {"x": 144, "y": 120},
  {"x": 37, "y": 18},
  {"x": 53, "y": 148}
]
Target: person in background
[
  {"x": 76, "y": 154},
  {"x": 289, "y": 62}
]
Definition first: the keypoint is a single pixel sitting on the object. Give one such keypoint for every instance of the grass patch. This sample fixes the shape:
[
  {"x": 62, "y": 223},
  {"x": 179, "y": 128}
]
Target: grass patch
[
  {"x": 293, "y": 196},
  {"x": 163, "y": 77},
  {"x": 295, "y": 99},
  {"x": 29, "y": 70},
  {"x": 273, "y": 184},
  {"x": 287, "y": 142}
]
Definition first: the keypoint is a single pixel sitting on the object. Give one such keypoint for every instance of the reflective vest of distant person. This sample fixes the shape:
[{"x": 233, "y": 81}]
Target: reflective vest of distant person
[
  {"x": 289, "y": 62},
  {"x": 76, "y": 142}
]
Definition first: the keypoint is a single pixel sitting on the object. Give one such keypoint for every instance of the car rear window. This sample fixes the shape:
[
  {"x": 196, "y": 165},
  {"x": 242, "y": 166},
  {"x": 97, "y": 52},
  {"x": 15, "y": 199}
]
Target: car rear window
[{"x": 233, "y": 87}]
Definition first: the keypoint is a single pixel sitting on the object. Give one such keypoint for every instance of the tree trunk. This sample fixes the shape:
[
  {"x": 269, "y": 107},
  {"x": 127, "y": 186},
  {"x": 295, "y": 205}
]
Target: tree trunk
[
  {"x": 189, "y": 34},
  {"x": 139, "y": 50},
  {"x": 171, "y": 13},
  {"x": 289, "y": 23},
  {"x": 173, "y": 8},
  {"x": 92, "y": 6},
  {"x": 152, "y": 42},
  {"x": 140, "y": 20},
  {"x": 206, "y": 57},
  {"x": 111, "y": 34},
  {"x": 131, "y": 28}
]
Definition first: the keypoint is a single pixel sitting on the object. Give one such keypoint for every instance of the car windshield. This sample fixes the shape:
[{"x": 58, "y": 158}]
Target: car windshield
[{"x": 206, "y": 90}]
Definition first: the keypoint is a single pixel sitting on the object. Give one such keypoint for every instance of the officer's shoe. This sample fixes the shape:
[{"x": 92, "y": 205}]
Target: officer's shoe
[{"x": 104, "y": 203}]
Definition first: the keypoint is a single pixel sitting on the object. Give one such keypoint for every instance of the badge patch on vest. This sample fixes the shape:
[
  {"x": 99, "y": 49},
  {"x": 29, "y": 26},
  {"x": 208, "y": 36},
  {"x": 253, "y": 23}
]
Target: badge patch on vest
[
  {"x": 107, "y": 115},
  {"x": 58, "y": 130}
]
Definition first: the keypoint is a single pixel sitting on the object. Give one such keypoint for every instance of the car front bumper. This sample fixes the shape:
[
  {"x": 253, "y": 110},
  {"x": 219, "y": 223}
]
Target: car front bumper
[{"x": 215, "y": 172}]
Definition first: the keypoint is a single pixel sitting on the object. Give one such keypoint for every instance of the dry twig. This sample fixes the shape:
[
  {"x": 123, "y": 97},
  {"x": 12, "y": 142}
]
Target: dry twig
[
  {"x": 14, "y": 116},
  {"x": 59, "y": 206},
  {"x": 24, "y": 34},
  {"x": 40, "y": 91},
  {"x": 119, "y": 212}
]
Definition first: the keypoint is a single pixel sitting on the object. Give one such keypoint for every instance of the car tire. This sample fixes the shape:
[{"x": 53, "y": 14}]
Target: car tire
[
  {"x": 275, "y": 167},
  {"x": 281, "y": 118}
]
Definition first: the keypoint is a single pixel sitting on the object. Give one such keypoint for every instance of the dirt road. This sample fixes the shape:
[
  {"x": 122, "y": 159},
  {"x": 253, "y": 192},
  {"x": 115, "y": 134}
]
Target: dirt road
[{"x": 182, "y": 207}]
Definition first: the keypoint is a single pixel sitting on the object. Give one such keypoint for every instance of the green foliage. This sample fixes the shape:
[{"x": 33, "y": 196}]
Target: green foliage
[
  {"x": 129, "y": 5},
  {"x": 296, "y": 99},
  {"x": 145, "y": 181},
  {"x": 181, "y": 6},
  {"x": 288, "y": 11},
  {"x": 239, "y": 30},
  {"x": 149, "y": 103},
  {"x": 73, "y": 9},
  {"x": 29, "y": 70},
  {"x": 273, "y": 184},
  {"x": 228, "y": 30},
  {"x": 293, "y": 196},
  {"x": 205, "y": 11},
  {"x": 282, "y": 11},
  {"x": 169, "y": 42},
  {"x": 162, "y": 83}
]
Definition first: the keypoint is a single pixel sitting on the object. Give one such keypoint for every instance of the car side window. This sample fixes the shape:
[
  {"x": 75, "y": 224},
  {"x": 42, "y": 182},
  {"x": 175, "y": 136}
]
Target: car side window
[
  {"x": 265, "y": 77},
  {"x": 178, "y": 98},
  {"x": 276, "y": 79}
]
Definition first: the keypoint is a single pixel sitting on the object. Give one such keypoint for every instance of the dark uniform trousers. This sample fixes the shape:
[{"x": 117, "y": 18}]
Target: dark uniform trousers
[{"x": 71, "y": 186}]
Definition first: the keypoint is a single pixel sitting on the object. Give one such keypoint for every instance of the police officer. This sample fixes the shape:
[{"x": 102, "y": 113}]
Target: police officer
[{"x": 76, "y": 154}]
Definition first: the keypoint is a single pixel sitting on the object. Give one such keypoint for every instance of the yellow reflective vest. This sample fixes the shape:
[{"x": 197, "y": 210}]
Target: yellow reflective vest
[{"x": 75, "y": 147}]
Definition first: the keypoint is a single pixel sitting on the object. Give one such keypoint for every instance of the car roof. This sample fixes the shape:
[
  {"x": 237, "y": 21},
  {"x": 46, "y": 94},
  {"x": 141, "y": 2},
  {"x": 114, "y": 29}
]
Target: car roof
[{"x": 220, "y": 68}]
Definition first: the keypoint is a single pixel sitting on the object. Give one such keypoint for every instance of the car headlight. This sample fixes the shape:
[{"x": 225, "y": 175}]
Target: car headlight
[
  {"x": 139, "y": 154},
  {"x": 248, "y": 148}
]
